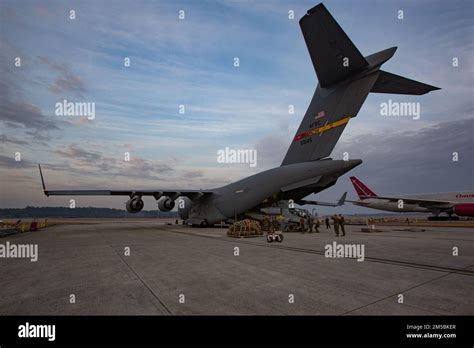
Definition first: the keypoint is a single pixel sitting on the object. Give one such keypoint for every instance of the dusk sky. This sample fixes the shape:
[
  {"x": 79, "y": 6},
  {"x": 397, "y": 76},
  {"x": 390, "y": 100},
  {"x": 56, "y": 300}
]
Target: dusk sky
[{"x": 190, "y": 62}]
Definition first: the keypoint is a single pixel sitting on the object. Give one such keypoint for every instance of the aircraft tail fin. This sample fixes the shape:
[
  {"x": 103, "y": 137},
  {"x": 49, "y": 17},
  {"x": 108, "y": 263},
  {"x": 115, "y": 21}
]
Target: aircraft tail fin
[
  {"x": 333, "y": 54},
  {"x": 362, "y": 190},
  {"x": 395, "y": 84},
  {"x": 345, "y": 80},
  {"x": 337, "y": 98},
  {"x": 342, "y": 200}
]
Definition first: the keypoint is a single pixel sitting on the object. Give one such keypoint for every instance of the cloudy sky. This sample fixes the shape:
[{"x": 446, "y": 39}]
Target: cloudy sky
[{"x": 190, "y": 62}]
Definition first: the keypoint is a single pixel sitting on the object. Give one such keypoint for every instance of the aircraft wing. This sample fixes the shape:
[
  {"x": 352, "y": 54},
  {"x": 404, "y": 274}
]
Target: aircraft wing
[
  {"x": 341, "y": 201},
  {"x": 426, "y": 203},
  {"x": 191, "y": 194}
]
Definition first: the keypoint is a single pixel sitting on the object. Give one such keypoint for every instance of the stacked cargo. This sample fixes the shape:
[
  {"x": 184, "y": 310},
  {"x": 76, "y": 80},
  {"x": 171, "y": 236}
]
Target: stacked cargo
[{"x": 245, "y": 228}]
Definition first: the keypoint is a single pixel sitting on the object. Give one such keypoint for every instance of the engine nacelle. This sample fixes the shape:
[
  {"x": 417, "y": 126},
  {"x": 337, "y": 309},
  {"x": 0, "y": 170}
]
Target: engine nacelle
[
  {"x": 464, "y": 209},
  {"x": 134, "y": 204},
  {"x": 184, "y": 206},
  {"x": 165, "y": 203}
]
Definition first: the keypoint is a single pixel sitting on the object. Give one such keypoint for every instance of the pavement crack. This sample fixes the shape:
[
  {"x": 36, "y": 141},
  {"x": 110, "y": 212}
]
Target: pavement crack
[
  {"x": 402, "y": 291},
  {"x": 165, "y": 307}
]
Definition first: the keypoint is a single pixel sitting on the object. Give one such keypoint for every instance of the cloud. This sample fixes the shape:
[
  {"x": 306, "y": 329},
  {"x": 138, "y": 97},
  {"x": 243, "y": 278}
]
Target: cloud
[
  {"x": 416, "y": 161},
  {"x": 192, "y": 174},
  {"x": 93, "y": 163},
  {"x": 16, "y": 111},
  {"x": 8, "y": 162},
  {"x": 23, "y": 114},
  {"x": 76, "y": 152},
  {"x": 271, "y": 150},
  {"x": 66, "y": 81},
  {"x": 5, "y": 139}
]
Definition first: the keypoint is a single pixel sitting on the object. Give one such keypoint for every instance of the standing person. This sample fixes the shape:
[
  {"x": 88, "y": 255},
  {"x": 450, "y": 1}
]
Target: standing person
[
  {"x": 284, "y": 224},
  {"x": 310, "y": 223},
  {"x": 302, "y": 224},
  {"x": 316, "y": 224},
  {"x": 328, "y": 225},
  {"x": 335, "y": 222},
  {"x": 341, "y": 222},
  {"x": 265, "y": 223}
]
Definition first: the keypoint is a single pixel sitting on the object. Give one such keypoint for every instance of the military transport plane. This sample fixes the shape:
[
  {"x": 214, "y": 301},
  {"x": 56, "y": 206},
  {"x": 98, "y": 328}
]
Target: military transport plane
[
  {"x": 345, "y": 77},
  {"x": 459, "y": 203}
]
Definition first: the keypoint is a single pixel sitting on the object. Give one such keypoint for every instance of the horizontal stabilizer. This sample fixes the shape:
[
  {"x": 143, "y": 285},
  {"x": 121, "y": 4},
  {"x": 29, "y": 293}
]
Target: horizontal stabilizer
[
  {"x": 394, "y": 84},
  {"x": 333, "y": 54}
]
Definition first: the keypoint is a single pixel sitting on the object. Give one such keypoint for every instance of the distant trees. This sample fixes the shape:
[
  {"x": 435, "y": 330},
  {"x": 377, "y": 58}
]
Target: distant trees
[{"x": 87, "y": 212}]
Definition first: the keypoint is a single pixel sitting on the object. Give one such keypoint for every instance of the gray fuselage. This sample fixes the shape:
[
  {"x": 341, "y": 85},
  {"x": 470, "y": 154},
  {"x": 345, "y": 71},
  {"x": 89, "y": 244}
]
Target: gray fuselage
[{"x": 236, "y": 198}]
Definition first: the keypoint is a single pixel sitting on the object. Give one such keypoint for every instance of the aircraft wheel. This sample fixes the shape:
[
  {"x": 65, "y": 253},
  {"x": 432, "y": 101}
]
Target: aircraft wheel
[
  {"x": 280, "y": 238},
  {"x": 269, "y": 239}
]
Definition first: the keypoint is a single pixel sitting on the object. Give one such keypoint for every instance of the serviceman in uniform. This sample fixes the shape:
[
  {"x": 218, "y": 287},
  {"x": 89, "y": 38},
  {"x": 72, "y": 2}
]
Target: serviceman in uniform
[
  {"x": 316, "y": 224},
  {"x": 266, "y": 223},
  {"x": 341, "y": 222},
  {"x": 328, "y": 225},
  {"x": 310, "y": 223},
  {"x": 335, "y": 222}
]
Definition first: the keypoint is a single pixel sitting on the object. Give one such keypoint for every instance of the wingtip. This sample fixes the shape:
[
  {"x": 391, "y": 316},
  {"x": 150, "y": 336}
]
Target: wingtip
[
  {"x": 431, "y": 89},
  {"x": 42, "y": 180}
]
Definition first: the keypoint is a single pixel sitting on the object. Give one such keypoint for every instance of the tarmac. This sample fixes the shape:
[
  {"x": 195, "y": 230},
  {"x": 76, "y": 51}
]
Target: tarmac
[{"x": 178, "y": 270}]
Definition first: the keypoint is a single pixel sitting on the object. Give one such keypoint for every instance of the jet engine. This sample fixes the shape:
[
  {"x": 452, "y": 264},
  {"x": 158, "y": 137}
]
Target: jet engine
[
  {"x": 464, "y": 209},
  {"x": 134, "y": 204},
  {"x": 165, "y": 203}
]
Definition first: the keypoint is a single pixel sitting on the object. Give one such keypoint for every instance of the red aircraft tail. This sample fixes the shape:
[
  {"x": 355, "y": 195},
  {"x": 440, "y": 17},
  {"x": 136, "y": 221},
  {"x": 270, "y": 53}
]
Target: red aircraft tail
[{"x": 362, "y": 190}]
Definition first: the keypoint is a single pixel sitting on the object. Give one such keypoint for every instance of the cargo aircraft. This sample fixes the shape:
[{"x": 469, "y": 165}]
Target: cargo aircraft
[{"x": 346, "y": 78}]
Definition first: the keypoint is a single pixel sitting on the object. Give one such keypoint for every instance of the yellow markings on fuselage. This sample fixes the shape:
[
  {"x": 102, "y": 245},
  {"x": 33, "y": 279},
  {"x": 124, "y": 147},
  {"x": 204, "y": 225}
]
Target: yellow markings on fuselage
[{"x": 322, "y": 129}]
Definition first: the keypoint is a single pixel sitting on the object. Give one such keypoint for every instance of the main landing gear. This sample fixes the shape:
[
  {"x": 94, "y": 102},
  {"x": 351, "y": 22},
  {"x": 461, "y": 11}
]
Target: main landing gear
[{"x": 443, "y": 218}]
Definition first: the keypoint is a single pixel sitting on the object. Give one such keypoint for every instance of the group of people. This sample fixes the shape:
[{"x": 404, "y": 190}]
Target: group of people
[
  {"x": 338, "y": 222},
  {"x": 309, "y": 224}
]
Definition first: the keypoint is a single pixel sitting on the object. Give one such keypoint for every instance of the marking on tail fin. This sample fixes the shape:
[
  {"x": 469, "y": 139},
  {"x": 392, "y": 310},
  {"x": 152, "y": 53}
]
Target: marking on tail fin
[
  {"x": 320, "y": 114},
  {"x": 323, "y": 126},
  {"x": 322, "y": 129},
  {"x": 362, "y": 190}
]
